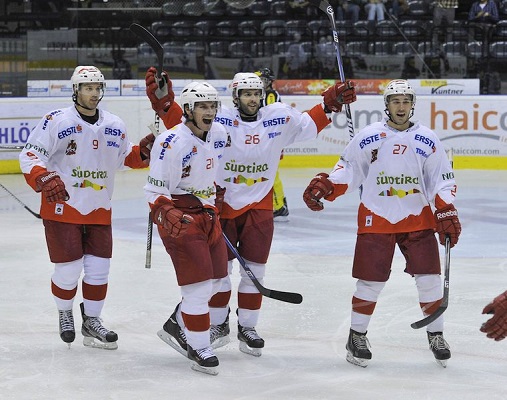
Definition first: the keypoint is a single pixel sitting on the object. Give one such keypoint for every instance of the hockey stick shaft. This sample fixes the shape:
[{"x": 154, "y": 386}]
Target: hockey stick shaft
[
  {"x": 12, "y": 148},
  {"x": 144, "y": 34},
  {"x": 288, "y": 297},
  {"x": 326, "y": 8},
  {"x": 149, "y": 240},
  {"x": 36, "y": 215},
  {"x": 445, "y": 298}
]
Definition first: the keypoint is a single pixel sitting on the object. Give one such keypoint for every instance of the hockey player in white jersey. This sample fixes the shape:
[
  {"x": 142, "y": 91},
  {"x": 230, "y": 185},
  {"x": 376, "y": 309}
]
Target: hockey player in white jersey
[
  {"x": 247, "y": 172},
  {"x": 181, "y": 192},
  {"x": 404, "y": 173},
  {"x": 71, "y": 158}
]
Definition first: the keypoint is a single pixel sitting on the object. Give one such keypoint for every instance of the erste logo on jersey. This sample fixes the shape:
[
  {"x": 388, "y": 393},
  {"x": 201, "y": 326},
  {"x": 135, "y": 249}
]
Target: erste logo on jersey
[
  {"x": 225, "y": 121},
  {"x": 114, "y": 132},
  {"x": 276, "y": 121},
  {"x": 372, "y": 139},
  {"x": 186, "y": 159},
  {"x": 69, "y": 131}
]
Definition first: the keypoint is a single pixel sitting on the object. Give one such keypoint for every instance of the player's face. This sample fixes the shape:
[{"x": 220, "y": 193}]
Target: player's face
[
  {"x": 399, "y": 107},
  {"x": 90, "y": 94},
  {"x": 204, "y": 113},
  {"x": 250, "y": 100}
]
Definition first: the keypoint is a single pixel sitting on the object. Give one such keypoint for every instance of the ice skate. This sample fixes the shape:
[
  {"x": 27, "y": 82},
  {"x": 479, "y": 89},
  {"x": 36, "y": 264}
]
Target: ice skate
[
  {"x": 439, "y": 347},
  {"x": 173, "y": 335},
  {"x": 95, "y": 335},
  {"x": 219, "y": 334},
  {"x": 249, "y": 341},
  {"x": 66, "y": 323},
  {"x": 282, "y": 214},
  {"x": 204, "y": 360},
  {"x": 358, "y": 349}
]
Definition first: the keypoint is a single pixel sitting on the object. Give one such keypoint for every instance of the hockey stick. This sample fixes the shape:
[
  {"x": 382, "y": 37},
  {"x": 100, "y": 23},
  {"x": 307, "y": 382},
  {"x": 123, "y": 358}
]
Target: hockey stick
[
  {"x": 147, "y": 36},
  {"x": 12, "y": 148},
  {"x": 20, "y": 202},
  {"x": 288, "y": 297},
  {"x": 143, "y": 33},
  {"x": 445, "y": 298},
  {"x": 326, "y": 8}
]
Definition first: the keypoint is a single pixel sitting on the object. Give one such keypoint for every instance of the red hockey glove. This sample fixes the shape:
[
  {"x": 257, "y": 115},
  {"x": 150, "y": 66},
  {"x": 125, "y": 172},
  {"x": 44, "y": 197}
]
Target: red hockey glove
[
  {"x": 145, "y": 146},
  {"x": 219, "y": 199},
  {"x": 339, "y": 94},
  {"x": 448, "y": 224},
  {"x": 496, "y": 327},
  {"x": 52, "y": 187},
  {"x": 159, "y": 90},
  {"x": 171, "y": 219},
  {"x": 318, "y": 188}
]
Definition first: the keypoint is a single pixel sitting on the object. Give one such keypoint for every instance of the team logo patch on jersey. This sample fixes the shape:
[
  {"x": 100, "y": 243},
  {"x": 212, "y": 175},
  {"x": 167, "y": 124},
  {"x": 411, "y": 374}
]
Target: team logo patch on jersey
[
  {"x": 374, "y": 155},
  {"x": 397, "y": 192},
  {"x": 185, "y": 172},
  {"x": 89, "y": 184},
  {"x": 71, "y": 148},
  {"x": 240, "y": 179}
]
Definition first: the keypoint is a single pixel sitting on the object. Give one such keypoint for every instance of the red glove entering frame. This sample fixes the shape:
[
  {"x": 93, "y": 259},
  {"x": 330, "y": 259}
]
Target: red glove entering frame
[
  {"x": 161, "y": 98},
  {"x": 339, "y": 94},
  {"x": 145, "y": 146},
  {"x": 171, "y": 219},
  {"x": 52, "y": 187},
  {"x": 448, "y": 224},
  {"x": 496, "y": 326},
  {"x": 318, "y": 188}
]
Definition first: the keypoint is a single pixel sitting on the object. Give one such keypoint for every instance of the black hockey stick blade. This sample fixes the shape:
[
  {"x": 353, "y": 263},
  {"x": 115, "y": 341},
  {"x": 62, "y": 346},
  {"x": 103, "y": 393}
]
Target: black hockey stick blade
[
  {"x": 147, "y": 36},
  {"x": 36, "y": 215},
  {"x": 445, "y": 299},
  {"x": 288, "y": 297}
]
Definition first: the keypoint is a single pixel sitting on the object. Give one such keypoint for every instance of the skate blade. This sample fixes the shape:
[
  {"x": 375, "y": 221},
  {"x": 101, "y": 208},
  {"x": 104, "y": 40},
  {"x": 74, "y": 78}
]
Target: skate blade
[
  {"x": 169, "y": 340},
  {"x": 281, "y": 219},
  {"x": 360, "y": 362},
  {"x": 204, "y": 370},
  {"x": 442, "y": 363},
  {"x": 90, "y": 342},
  {"x": 244, "y": 348},
  {"x": 220, "y": 342}
]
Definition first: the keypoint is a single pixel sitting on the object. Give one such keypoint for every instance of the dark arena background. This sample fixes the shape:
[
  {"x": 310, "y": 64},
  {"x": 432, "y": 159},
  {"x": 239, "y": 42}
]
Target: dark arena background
[{"x": 213, "y": 39}]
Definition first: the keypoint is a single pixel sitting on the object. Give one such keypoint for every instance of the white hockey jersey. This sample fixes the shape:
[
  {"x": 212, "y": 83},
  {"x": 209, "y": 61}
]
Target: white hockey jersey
[
  {"x": 401, "y": 173},
  {"x": 181, "y": 163},
  {"x": 248, "y": 167},
  {"x": 85, "y": 156}
]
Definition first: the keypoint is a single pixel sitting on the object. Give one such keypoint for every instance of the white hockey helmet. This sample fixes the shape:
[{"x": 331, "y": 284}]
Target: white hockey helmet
[
  {"x": 399, "y": 86},
  {"x": 195, "y": 92},
  {"x": 87, "y": 74},
  {"x": 246, "y": 80}
]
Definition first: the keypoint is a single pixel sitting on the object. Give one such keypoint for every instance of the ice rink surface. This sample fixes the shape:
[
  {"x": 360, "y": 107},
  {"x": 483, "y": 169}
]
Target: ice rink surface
[{"x": 304, "y": 357}]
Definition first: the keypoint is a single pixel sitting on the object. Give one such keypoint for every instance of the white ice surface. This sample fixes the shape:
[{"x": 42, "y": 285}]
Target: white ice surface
[{"x": 304, "y": 357}]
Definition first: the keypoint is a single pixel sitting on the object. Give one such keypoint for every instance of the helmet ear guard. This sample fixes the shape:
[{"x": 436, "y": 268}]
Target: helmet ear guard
[{"x": 195, "y": 92}]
